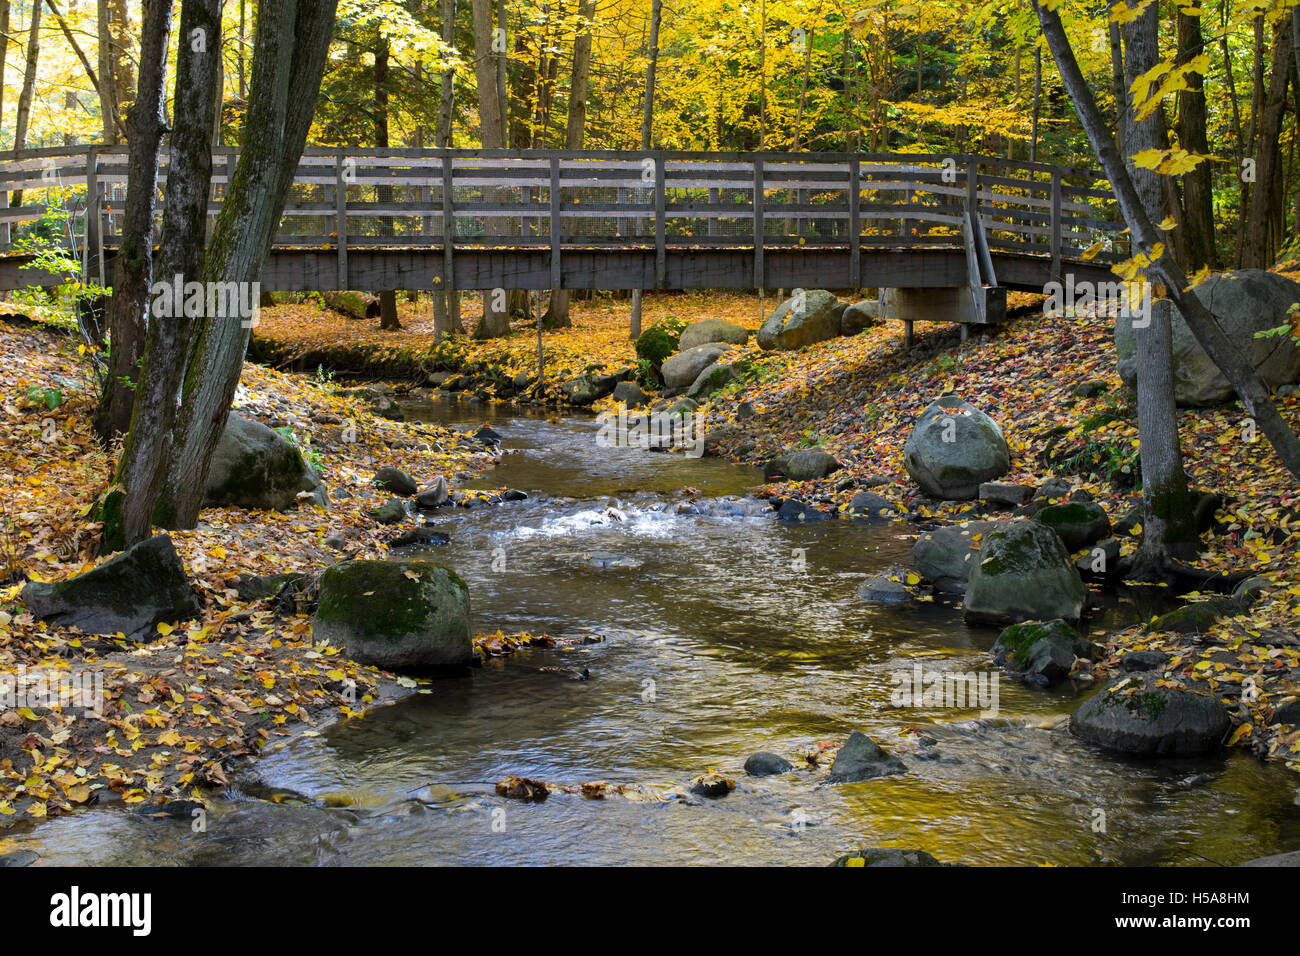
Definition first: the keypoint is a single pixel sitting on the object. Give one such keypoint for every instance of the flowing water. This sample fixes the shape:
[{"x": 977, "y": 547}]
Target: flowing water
[{"x": 724, "y": 633}]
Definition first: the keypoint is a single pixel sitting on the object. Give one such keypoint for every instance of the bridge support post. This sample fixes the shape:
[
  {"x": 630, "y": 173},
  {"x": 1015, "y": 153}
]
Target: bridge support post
[{"x": 341, "y": 220}]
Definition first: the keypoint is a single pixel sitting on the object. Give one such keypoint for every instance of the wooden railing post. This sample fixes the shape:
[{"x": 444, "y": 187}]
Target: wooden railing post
[
  {"x": 341, "y": 219},
  {"x": 448, "y": 230},
  {"x": 92, "y": 263},
  {"x": 1056, "y": 224},
  {"x": 855, "y": 223},
  {"x": 758, "y": 223},
  {"x": 661, "y": 223}
]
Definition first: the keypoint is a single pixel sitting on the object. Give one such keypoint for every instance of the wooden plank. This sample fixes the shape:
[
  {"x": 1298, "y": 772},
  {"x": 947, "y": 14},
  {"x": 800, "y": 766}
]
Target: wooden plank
[
  {"x": 341, "y": 220},
  {"x": 758, "y": 202}
]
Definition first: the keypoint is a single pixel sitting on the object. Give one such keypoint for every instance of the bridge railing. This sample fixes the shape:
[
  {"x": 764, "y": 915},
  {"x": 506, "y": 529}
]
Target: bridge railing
[{"x": 355, "y": 198}]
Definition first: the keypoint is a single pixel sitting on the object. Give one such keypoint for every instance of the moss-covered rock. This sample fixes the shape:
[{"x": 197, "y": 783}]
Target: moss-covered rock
[
  {"x": 1136, "y": 715},
  {"x": 655, "y": 344},
  {"x": 399, "y": 615},
  {"x": 256, "y": 467},
  {"x": 131, "y": 593},
  {"x": 390, "y": 512},
  {"x": 1024, "y": 574},
  {"x": 1077, "y": 523},
  {"x": 1042, "y": 652},
  {"x": 1198, "y": 616},
  {"x": 800, "y": 465}
]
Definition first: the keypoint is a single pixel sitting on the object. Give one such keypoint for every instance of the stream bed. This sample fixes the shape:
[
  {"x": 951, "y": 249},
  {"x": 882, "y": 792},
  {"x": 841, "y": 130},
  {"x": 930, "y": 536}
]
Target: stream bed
[{"x": 723, "y": 634}]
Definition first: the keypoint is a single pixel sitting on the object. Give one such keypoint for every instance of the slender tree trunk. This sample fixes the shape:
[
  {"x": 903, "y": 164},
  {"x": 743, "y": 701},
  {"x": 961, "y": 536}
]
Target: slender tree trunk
[
  {"x": 29, "y": 87},
  {"x": 129, "y": 306},
  {"x": 1266, "y": 202},
  {"x": 1254, "y": 394},
  {"x": 1198, "y": 185},
  {"x": 494, "y": 322},
  {"x": 1168, "y": 518},
  {"x": 446, "y": 301},
  {"x": 4, "y": 50},
  {"x": 388, "y": 320},
  {"x": 129, "y": 508},
  {"x": 647, "y": 128},
  {"x": 107, "y": 99},
  {"x": 289, "y": 54},
  {"x": 1038, "y": 100}
]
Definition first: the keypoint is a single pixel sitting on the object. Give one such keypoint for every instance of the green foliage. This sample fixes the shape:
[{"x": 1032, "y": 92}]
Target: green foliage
[{"x": 304, "y": 446}]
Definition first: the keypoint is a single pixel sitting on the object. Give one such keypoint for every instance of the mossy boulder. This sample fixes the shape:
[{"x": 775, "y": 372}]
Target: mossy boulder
[
  {"x": 130, "y": 593},
  {"x": 256, "y": 467},
  {"x": 946, "y": 556},
  {"x": 655, "y": 344},
  {"x": 1042, "y": 652},
  {"x": 395, "y": 481},
  {"x": 800, "y": 465},
  {"x": 710, "y": 380},
  {"x": 804, "y": 318},
  {"x": 1077, "y": 523},
  {"x": 955, "y": 448},
  {"x": 712, "y": 330},
  {"x": 1198, "y": 616},
  {"x": 1024, "y": 574},
  {"x": 398, "y": 615},
  {"x": 1135, "y": 715},
  {"x": 684, "y": 368},
  {"x": 390, "y": 512}
]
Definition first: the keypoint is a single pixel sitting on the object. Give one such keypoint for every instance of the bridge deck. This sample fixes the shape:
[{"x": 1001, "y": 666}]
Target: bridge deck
[{"x": 376, "y": 219}]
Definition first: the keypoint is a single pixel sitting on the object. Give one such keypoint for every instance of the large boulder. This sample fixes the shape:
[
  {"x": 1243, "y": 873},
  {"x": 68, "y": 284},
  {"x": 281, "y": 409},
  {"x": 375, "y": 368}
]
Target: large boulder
[
  {"x": 946, "y": 556},
  {"x": 712, "y": 330},
  {"x": 954, "y": 448},
  {"x": 804, "y": 318},
  {"x": 1042, "y": 652},
  {"x": 257, "y": 467},
  {"x": 398, "y": 615},
  {"x": 1135, "y": 715},
  {"x": 685, "y": 367},
  {"x": 587, "y": 388},
  {"x": 131, "y": 593},
  {"x": 800, "y": 465},
  {"x": 1242, "y": 303},
  {"x": 1077, "y": 523},
  {"x": 710, "y": 380},
  {"x": 859, "y": 316},
  {"x": 1024, "y": 574}
]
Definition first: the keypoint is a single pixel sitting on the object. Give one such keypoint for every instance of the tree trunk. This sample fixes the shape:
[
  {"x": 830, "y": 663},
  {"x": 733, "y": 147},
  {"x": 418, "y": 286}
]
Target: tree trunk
[
  {"x": 1254, "y": 394},
  {"x": 446, "y": 301},
  {"x": 1198, "y": 185},
  {"x": 288, "y": 60},
  {"x": 29, "y": 88},
  {"x": 388, "y": 321},
  {"x": 1259, "y": 247},
  {"x": 129, "y": 306},
  {"x": 129, "y": 509},
  {"x": 107, "y": 99},
  {"x": 647, "y": 126},
  {"x": 4, "y": 49},
  {"x": 557, "y": 314},
  {"x": 494, "y": 322}
]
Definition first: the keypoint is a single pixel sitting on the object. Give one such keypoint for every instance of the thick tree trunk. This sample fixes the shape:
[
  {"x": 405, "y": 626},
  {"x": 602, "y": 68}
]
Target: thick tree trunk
[
  {"x": 129, "y": 306},
  {"x": 1198, "y": 185},
  {"x": 1254, "y": 394},
  {"x": 129, "y": 510},
  {"x": 1260, "y": 246},
  {"x": 647, "y": 127},
  {"x": 446, "y": 301},
  {"x": 557, "y": 314},
  {"x": 494, "y": 322},
  {"x": 288, "y": 60}
]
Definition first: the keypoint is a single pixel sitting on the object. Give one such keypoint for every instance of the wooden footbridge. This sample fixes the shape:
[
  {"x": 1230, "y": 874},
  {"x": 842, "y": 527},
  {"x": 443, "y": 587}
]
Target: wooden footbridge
[{"x": 421, "y": 219}]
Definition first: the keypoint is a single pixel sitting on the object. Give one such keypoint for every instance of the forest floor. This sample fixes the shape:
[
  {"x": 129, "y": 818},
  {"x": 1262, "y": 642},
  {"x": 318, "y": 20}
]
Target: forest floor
[{"x": 226, "y": 686}]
